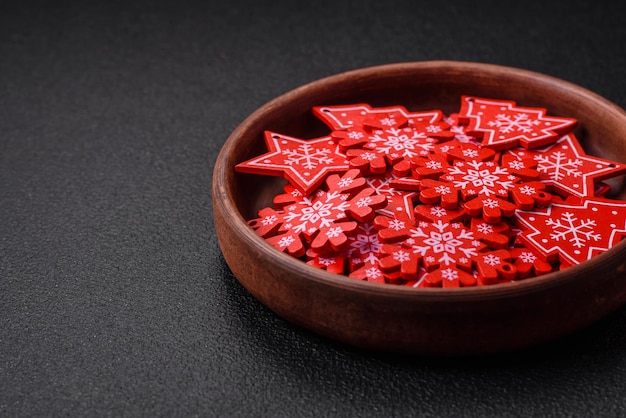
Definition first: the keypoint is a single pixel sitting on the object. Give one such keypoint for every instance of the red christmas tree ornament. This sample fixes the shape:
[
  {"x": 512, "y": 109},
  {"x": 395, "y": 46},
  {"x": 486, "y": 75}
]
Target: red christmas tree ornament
[
  {"x": 347, "y": 117},
  {"x": 501, "y": 124},
  {"x": 573, "y": 232}
]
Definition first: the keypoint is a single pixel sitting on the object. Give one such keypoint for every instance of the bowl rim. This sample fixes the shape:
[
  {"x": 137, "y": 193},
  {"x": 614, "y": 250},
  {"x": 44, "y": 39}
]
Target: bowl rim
[{"x": 224, "y": 171}]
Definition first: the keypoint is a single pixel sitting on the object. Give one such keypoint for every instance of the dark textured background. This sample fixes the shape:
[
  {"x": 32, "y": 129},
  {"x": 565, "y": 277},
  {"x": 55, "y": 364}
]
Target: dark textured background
[{"x": 114, "y": 297}]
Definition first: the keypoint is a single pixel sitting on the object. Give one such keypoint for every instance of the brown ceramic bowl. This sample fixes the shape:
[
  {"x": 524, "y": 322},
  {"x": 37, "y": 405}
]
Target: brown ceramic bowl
[{"x": 424, "y": 321}]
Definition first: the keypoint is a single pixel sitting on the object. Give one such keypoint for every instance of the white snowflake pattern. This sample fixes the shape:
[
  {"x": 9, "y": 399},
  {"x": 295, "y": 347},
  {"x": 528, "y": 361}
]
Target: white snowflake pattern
[
  {"x": 578, "y": 231},
  {"x": 397, "y": 224},
  {"x": 433, "y": 165},
  {"x": 484, "y": 228},
  {"x": 482, "y": 180},
  {"x": 286, "y": 241},
  {"x": 366, "y": 244},
  {"x": 373, "y": 273},
  {"x": 307, "y": 156},
  {"x": 516, "y": 165},
  {"x": 334, "y": 232},
  {"x": 327, "y": 261},
  {"x": 491, "y": 203},
  {"x": 396, "y": 140},
  {"x": 401, "y": 256},
  {"x": 491, "y": 259},
  {"x": 438, "y": 211},
  {"x": 470, "y": 153},
  {"x": 269, "y": 220},
  {"x": 449, "y": 274},
  {"x": 557, "y": 166},
  {"x": 527, "y": 190},
  {"x": 433, "y": 129},
  {"x": 345, "y": 182},
  {"x": 520, "y": 122},
  {"x": 446, "y": 242},
  {"x": 355, "y": 135},
  {"x": 442, "y": 190},
  {"x": 368, "y": 156},
  {"x": 527, "y": 257},
  {"x": 390, "y": 121},
  {"x": 318, "y": 212},
  {"x": 364, "y": 201}
]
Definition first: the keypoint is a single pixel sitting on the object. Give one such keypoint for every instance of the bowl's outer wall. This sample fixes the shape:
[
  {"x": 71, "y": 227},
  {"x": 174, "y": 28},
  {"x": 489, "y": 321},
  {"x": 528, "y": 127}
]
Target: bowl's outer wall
[{"x": 421, "y": 321}]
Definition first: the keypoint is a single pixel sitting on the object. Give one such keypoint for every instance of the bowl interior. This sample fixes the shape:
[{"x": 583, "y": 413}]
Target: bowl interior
[
  {"x": 464, "y": 320},
  {"x": 420, "y": 86}
]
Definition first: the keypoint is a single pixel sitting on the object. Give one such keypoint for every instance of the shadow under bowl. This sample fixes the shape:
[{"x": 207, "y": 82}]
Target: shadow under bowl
[{"x": 425, "y": 321}]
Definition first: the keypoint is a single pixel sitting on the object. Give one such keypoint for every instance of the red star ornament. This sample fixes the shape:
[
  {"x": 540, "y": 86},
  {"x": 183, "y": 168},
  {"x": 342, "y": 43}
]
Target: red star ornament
[
  {"x": 305, "y": 163},
  {"x": 566, "y": 167},
  {"x": 573, "y": 231},
  {"x": 502, "y": 124}
]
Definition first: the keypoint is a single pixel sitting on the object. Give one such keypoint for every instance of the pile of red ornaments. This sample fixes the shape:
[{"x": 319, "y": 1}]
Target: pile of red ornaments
[{"x": 494, "y": 193}]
